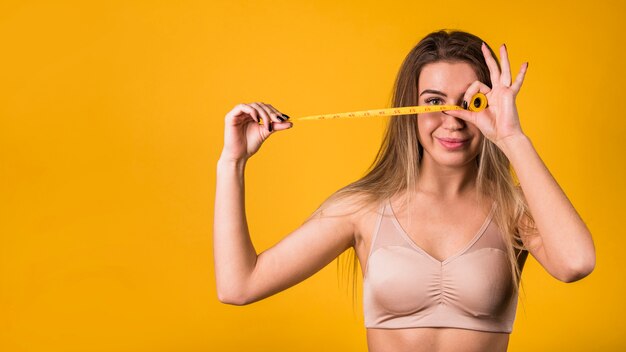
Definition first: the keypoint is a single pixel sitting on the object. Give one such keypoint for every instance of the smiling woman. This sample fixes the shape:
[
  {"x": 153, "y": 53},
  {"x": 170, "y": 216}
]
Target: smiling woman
[{"x": 438, "y": 224}]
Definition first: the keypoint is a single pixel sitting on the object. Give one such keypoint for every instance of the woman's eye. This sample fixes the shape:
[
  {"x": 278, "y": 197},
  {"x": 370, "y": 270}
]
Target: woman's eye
[{"x": 428, "y": 101}]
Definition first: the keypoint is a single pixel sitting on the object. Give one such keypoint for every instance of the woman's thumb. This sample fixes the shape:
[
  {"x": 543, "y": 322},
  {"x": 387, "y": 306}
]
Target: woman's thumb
[{"x": 282, "y": 126}]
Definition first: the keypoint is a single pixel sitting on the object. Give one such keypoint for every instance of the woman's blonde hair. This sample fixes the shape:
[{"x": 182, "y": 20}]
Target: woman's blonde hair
[{"x": 396, "y": 165}]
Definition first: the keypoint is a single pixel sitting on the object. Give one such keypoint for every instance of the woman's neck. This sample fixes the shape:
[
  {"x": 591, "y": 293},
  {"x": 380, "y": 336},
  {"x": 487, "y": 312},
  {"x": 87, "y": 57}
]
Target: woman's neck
[{"x": 446, "y": 182}]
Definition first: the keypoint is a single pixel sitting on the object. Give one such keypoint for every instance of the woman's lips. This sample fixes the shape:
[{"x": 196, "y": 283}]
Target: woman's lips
[{"x": 452, "y": 143}]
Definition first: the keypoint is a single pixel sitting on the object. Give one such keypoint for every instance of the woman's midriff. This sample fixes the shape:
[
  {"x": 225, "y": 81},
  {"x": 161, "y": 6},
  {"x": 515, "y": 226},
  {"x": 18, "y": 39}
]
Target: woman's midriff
[{"x": 435, "y": 340}]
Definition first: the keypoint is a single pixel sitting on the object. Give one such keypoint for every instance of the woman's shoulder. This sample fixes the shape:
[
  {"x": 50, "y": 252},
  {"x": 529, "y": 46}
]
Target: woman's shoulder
[
  {"x": 360, "y": 208},
  {"x": 355, "y": 203}
]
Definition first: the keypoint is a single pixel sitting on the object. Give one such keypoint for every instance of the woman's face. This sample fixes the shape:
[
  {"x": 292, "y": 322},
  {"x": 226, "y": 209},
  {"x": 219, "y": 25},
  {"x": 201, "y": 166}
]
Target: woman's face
[{"x": 444, "y": 83}]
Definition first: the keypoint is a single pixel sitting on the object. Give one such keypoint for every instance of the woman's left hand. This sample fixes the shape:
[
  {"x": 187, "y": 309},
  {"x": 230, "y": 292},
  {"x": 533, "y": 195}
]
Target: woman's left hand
[{"x": 500, "y": 119}]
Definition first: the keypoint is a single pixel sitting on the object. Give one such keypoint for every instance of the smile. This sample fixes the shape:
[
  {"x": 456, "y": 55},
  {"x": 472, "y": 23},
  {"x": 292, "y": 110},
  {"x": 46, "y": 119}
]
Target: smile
[{"x": 453, "y": 144}]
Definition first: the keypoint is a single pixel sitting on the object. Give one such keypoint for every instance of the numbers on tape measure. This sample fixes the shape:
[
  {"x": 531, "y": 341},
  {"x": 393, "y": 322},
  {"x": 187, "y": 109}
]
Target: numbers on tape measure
[{"x": 476, "y": 104}]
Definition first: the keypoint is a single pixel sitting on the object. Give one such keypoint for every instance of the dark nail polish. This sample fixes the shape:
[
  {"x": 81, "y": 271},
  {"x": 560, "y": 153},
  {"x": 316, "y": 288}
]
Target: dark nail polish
[
  {"x": 287, "y": 116},
  {"x": 464, "y": 104},
  {"x": 280, "y": 118},
  {"x": 269, "y": 126}
]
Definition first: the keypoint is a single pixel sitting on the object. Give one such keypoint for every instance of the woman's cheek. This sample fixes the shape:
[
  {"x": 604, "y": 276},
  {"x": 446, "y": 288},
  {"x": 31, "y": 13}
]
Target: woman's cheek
[{"x": 427, "y": 125}]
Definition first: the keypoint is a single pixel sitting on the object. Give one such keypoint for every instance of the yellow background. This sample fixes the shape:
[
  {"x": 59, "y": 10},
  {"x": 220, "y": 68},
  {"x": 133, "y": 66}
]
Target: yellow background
[{"x": 112, "y": 118}]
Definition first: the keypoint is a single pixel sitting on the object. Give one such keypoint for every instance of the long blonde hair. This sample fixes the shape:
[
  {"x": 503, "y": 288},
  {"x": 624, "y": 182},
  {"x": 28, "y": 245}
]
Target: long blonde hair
[{"x": 396, "y": 165}]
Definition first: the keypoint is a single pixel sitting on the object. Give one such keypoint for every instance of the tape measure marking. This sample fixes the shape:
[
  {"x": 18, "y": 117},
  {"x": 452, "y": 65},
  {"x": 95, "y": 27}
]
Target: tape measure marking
[{"x": 477, "y": 103}]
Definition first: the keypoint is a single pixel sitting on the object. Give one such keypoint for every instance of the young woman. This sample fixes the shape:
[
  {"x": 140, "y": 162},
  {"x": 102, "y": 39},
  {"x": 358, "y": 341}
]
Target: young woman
[{"x": 439, "y": 226}]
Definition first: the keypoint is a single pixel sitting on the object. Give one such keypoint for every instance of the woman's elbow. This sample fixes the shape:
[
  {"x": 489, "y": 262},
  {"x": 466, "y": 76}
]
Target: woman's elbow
[
  {"x": 232, "y": 299},
  {"x": 229, "y": 292},
  {"x": 581, "y": 270}
]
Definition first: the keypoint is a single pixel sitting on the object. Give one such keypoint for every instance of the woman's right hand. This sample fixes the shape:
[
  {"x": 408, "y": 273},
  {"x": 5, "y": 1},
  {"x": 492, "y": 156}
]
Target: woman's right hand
[{"x": 243, "y": 135}]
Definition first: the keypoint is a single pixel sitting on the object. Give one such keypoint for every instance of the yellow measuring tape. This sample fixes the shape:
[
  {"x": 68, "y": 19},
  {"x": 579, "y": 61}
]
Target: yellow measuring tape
[{"x": 477, "y": 103}]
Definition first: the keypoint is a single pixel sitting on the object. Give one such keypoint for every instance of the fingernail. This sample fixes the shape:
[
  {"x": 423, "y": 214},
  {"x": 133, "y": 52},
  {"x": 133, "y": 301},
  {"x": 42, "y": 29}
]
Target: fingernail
[
  {"x": 287, "y": 116},
  {"x": 464, "y": 104},
  {"x": 269, "y": 126},
  {"x": 281, "y": 118}
]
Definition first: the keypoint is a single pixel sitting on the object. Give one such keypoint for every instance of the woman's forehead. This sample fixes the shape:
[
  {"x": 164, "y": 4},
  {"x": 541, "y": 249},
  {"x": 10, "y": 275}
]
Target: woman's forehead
[{"x": 446, "y": 76}]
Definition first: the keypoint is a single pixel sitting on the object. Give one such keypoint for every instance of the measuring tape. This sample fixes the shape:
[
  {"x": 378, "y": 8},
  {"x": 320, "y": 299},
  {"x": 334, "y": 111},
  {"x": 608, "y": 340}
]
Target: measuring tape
[{"x": 477, "y": 103}]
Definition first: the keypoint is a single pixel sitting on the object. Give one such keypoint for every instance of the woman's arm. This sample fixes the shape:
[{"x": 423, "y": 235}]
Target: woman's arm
[
  {"x": 564, "y": 246},
  {"x": 233, "y": 251},
  {"x": 242, "y": 276}
]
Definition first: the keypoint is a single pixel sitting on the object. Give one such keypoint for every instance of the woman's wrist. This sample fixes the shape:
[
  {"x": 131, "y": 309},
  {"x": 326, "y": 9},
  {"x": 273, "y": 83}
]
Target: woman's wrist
[
  {"x": 512, "y": 142},
  {"x": 231, "y": 163}
]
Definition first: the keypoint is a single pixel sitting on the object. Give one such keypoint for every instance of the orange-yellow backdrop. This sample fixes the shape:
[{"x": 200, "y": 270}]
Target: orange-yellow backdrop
[{"x": 112, "y": 118}]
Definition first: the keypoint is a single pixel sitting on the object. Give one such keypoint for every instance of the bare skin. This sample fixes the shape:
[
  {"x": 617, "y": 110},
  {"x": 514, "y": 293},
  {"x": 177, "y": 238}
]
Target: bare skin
[{"x": 445, "y": 194}]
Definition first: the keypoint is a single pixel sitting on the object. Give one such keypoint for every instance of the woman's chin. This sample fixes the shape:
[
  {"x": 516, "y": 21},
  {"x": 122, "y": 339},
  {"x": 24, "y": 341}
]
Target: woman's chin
[{"x": 455, "y": 161}]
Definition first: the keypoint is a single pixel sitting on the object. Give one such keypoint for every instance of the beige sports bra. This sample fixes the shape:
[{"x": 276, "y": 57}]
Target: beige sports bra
[{"x": 405, "y": 287}]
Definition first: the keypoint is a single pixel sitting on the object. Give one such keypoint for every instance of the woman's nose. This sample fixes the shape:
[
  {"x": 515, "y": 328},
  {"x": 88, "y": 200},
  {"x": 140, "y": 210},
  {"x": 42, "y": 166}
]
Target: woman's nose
[{"x": 452, "y": 123}]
